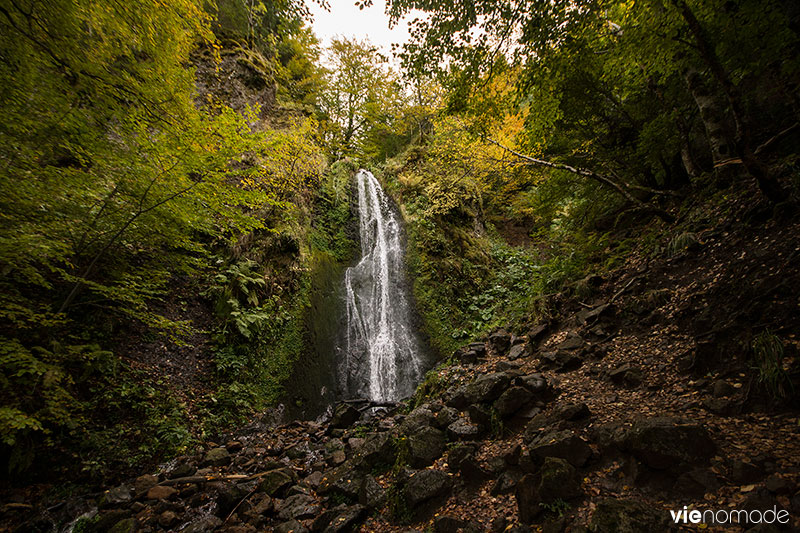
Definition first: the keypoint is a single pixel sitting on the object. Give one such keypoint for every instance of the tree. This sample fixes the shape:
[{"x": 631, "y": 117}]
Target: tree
[
  {"x": 356, "y": 87},
  {"x": 603, "y": 75}
]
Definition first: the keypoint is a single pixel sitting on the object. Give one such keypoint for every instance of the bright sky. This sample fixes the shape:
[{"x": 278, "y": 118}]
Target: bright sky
[{"x": 346, "y": 20}]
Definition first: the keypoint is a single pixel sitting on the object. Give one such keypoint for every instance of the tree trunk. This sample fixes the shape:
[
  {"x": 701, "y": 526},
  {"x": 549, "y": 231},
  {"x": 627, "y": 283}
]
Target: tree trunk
[
  {"x": 712, "y": 113},
  {"x": 766, "y": 181}
]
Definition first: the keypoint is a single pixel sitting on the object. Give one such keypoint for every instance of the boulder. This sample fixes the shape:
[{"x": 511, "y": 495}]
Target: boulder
[
  {"x": 536, "y": 383},
  {"x": 417, "y": 419},
  {"x": 299, "y": 507},
  {"x": 445, "y": 417},
  {"x": 161, "y": 492},
  {"x": 143, "y": 483},
  {"x": 371, "y": 495},
  {"x": 344, "y": 480},
  {"x": 344, "y": 416},
  {"x": 168, "y": 519},
  {"x": 500, "y": 340},
  {"x": 516, "y": 351},
  {"x": 462, "y": 429},
  {"x": 487, "y": 387},
  {"x": 572, "y": 342},
  {"x": 116, "y": 496},
  {"x": 561, "y": 360},
  {"x": 572, "y": 412},
  {"x": 276, "y": 481},
  {"x": 627, "y": 516},
  {"x": 378, "y": 449},
  {"x": 664, "y": 442},
  {"x": 217, "y": 457},
  {"x": 425, "y": 446},
  {"x": 291, "y": 526},
  {"x": 512, "y": 399},
  {"x": 528, "y": 499},
  {"x": 626, "y": 374},
  {"x": 347, "y": 519},
  {"x": 425, "y": 485},
  {"x": 563, "y": 444},
  {"x": 558, "y": 480}
]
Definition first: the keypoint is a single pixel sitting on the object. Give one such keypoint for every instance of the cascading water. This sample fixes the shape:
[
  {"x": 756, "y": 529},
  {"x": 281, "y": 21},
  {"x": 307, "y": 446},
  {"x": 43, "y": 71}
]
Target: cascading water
[{"x": 382, "y": 356}]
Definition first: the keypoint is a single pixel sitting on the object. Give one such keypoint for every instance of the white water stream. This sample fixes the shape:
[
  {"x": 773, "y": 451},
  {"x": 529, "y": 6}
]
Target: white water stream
[{"x": 383, "y": 360}]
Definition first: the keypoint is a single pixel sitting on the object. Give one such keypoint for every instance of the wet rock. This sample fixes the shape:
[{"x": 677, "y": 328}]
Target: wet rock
[
  {"x": 561, "y": 444},
  {"x": 516, "y": 351},
  {"x": 450, "y": 524},
  {"x": 347, "y": 519},
  {"x": 425, "y": 446},
  {"x": 344, "y": 480},
  {"x": 106, "y": 520},
  {"x": 205, "y": 524},
  {"x": 425, "y": 485},
  {"x": 228, "y": 497},
  {"x": 217, "y": 457},
  {"x": 572, "y": 342},
  {"x": 161, "y": 492},
  {"x": 572, "y": 412},
  {"x": 664, "y": 442},
  {"x": 506, "y": 482},
  {"x": 291, "y": 526},
  {"x": 528, "y": 499},
  {"x": 487, "y": 388},
  {"x": 371, "y": 495},
  {"x": 143, "y": 483},
  {"x": 182, "y": 470},
  {"x": 558, "y": 480},
  {"x": 500, "y": 341},
  {"x": 561, "y": 360},
  {"x": 299, "y": 507},
  {"x": 116, "y": 497},
  {"x": 462, "y": 429},
  {"x": 481, "y": 416},
  {"x": 627, "y": 516},
  {"x": 167, "y": 519},
  {"x": 418, "y": 418},
  {"x": 275, "y": 482},
  {"x": 377, "y": 449},
  {"x": 445, "y": 417},
  {"x": 344, "y": 416},
  {"x": 128, "y": 525},
  {"x": 313, "y": 479},
  {"x": 626, "y": 374},
  {"x": 512, "y": 400},
  {"x": 536, "y": 383}
]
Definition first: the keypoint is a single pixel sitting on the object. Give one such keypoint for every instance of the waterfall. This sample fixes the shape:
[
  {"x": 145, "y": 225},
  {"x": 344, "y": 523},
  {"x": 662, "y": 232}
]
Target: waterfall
[{"x": 382, "y": 359}]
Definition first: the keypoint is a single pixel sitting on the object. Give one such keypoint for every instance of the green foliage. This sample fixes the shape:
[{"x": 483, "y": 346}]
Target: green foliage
[
  {"x": 681, "y": 243},
  {"x": 557, "y": 507},
  {"x": 768, "y": 356}
]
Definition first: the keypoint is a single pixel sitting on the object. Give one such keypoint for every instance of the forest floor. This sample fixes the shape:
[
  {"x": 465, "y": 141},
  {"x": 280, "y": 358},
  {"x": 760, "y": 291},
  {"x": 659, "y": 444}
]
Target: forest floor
[{"x": 645, "y": 391}]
